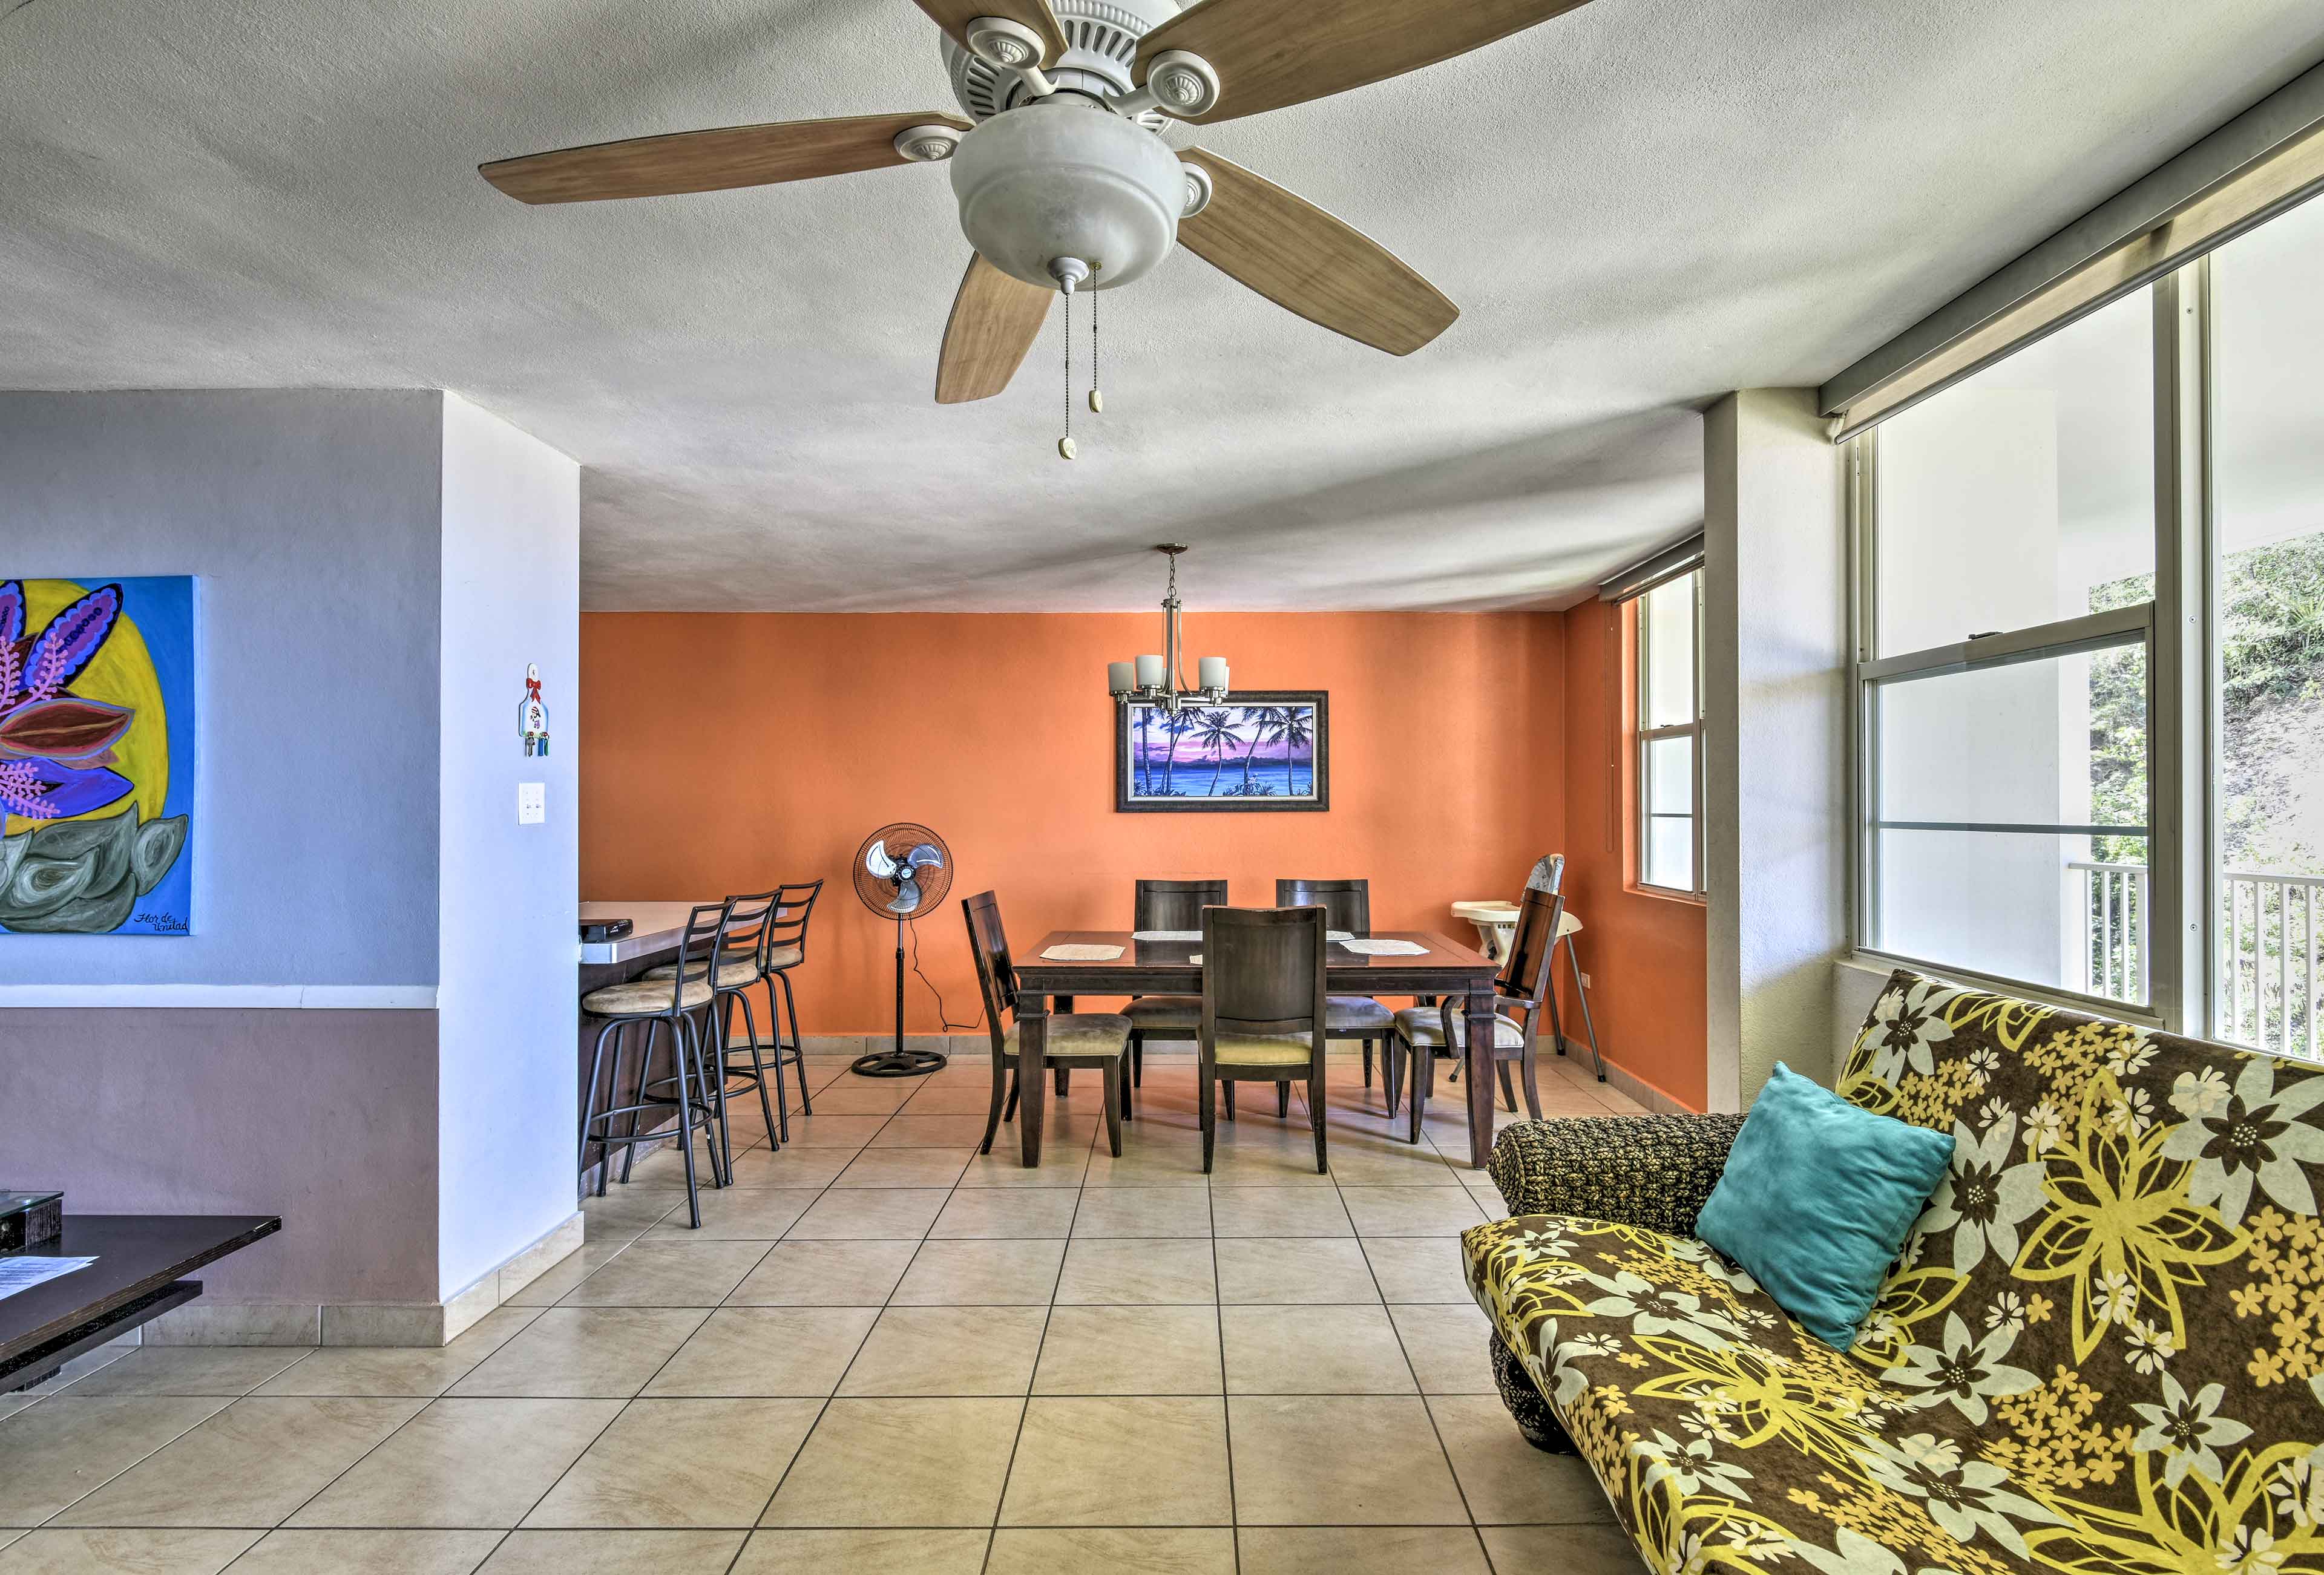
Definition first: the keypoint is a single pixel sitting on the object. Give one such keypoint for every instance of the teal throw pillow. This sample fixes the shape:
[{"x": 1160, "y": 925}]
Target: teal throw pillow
[{"x": 1817, "y": 1199}]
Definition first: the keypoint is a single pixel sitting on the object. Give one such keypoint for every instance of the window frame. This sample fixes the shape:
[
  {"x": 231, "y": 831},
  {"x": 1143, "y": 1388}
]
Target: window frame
[
  {"x": 1644, "y": 737},
  {"x": 2175, "y": 629}
]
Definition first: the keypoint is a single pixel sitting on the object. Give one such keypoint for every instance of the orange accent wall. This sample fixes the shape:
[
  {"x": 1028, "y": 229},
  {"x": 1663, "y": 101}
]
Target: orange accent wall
[
  {"x": 1644, "y": 953},
  {"x": 727, "y": 751}
]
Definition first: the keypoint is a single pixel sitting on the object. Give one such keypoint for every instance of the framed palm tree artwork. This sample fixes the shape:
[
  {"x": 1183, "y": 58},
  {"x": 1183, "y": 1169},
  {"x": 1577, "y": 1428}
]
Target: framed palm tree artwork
[{"x": 1261, "y": 749}]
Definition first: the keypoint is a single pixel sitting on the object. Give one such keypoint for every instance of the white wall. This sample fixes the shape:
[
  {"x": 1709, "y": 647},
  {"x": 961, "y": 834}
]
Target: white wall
[
  {"x": 1774, "y": 833},
  {"x": 506, "y": 1005}
]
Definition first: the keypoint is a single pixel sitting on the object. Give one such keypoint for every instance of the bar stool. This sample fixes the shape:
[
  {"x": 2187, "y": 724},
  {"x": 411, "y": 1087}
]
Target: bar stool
[
  {"x": 786, "y": 950},
  {"x": 738, "y": 959},
  {"x": 654, "y": 1002}
]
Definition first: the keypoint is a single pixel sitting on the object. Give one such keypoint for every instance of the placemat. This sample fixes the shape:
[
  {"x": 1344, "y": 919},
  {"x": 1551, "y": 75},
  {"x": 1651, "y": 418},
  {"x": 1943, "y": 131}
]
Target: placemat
[
  {"x": 1386, "y": 948},
  {"x": 1082, "y": 954},
  {"x": 1166, "y": 935}
]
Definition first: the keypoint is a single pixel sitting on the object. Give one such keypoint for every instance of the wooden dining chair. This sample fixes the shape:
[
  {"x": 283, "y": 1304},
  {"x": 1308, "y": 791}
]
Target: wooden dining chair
[
  {"x": 1347, "y": 906},
  {"x": 1166, "y": 905},
  {"x": 1523, "y": 986},
  {"x": 1097, "y": 1040},
  {"x": 1549, "y": 875},
  {"x": 1265, "y": 1014}
]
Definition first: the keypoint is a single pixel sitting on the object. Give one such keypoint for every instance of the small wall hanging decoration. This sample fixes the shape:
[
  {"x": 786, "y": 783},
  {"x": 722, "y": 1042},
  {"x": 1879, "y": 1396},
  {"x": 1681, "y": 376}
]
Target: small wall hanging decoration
[
  {"x": 96, "y": 755},
  {"x": 531, "y": 716}
]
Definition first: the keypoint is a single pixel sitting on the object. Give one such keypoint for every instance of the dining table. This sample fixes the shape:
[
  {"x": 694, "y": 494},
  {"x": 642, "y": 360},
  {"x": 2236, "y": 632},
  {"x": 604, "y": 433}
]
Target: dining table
[{"x": 1110, "y": 963}]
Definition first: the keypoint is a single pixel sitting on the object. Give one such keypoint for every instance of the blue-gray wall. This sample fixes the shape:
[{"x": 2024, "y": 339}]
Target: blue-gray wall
[
  {"x": 311, "y": 517},
  {"x": 376, "y": 569}
]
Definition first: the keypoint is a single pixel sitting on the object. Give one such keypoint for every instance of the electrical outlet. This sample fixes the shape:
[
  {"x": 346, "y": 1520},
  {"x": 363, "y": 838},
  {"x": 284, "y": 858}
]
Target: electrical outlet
[
  {"x": 1585, "y": 981},
  {"x": 532, "y": 803}
]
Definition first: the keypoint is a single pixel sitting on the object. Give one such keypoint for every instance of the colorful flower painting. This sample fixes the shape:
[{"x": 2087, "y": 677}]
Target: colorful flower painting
[
  {"x": 97, "y": 756},
  {"x": 1254, "y": 751}
]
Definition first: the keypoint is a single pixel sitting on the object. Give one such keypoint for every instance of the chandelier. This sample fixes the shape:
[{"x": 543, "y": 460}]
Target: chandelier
[{"x": 1155, "y": 678}]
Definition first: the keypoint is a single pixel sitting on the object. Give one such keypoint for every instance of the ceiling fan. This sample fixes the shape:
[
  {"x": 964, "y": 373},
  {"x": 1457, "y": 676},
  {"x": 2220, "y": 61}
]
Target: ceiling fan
[{"x": 1062, "y": 178}]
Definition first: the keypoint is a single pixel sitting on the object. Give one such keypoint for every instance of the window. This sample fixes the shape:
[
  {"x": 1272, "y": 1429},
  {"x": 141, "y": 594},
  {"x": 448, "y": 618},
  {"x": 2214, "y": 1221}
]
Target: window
[
  {"x": 2004, "y": 698},
  {"x": 2091, "y": 657},
  {"x": 2266, "y": 680},
  {"x": 1670, "y": 734}
]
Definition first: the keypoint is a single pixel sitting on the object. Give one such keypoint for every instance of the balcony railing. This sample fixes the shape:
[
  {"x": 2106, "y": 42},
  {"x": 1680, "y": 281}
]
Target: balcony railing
[
  {"x": 2270, "y": 962},
  {"x": 2271, "y": 956},
  {"x": 2112, "y": 955}
]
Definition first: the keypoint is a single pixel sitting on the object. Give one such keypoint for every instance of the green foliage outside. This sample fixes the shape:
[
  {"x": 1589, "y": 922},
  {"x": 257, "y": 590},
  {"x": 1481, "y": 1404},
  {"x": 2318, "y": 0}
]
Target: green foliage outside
[{"x": 2271, "y": 781}]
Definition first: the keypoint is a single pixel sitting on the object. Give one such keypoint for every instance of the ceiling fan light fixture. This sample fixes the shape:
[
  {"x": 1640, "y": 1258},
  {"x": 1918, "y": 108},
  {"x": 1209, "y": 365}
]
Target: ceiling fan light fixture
[{"x": 1068, "y": 179}]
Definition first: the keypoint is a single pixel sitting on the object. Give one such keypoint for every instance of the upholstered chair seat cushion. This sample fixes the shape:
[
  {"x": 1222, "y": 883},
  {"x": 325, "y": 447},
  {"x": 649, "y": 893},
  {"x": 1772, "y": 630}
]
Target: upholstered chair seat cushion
[
  {"x": 1079, "y": 1035},
  {"x": 1424, "y": 1026},
  {"x": 1165, "y": 1011},
  {"x": 1264, "y": 1049},
  {"x": 1355, "y": 1015},
  {"x": 641, "y": 996},
  {"x": 786, "y": 956},
  {"x": 731, "y": 975}
]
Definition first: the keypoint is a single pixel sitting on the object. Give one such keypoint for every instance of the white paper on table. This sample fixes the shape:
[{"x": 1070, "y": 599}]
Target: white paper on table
[
  {"x": 22, "y": 1274},
  {"x": 1081, "y": 953},
  {"x": 1194, "y": 957},
  {"x": 1386, "y": 948}
]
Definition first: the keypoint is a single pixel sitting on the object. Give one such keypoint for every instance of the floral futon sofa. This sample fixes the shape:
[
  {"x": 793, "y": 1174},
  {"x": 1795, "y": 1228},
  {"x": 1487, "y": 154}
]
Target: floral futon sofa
[{"x": 2101, "y": 1350}]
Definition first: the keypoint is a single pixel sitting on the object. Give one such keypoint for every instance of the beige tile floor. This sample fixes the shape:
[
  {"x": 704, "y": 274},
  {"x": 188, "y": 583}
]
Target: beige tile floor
[{"x": 882, "y": 1352}]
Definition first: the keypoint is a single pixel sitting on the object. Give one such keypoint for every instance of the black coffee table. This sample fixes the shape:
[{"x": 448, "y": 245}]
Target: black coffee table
[{"x": 142, "y": 1260}]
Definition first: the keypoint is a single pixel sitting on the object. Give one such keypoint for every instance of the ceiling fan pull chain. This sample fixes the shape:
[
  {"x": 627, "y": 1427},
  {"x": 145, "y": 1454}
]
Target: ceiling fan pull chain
[
  {"x": 1066, "y": 442},
  {"x": 1097, "y": 400}
]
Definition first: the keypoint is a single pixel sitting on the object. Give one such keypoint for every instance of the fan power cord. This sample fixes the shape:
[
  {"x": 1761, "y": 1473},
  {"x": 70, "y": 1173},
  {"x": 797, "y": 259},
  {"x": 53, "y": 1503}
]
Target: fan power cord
[{"x": 943, "y": 1021}]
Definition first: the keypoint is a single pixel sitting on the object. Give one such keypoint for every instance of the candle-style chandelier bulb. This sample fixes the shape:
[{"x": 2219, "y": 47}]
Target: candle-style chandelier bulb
[{"x": 1157, "y": 680}]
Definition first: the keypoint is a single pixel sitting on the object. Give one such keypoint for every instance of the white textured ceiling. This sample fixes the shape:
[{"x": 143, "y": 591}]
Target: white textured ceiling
[{"x": 1638, "y": 205}]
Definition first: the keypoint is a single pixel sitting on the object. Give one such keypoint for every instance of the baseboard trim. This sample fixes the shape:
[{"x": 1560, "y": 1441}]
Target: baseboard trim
[
  {"x": 1637, "y": 1087},
  {"x": 391, "y": 1323}
]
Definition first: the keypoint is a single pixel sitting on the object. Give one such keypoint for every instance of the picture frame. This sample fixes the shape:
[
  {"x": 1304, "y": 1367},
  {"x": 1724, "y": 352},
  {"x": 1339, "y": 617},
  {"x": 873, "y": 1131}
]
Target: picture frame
[{"x": 1261, "y": 750}]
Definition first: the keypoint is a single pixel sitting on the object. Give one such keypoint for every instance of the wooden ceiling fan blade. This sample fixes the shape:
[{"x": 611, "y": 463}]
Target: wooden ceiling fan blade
[
  {"x": 710, "y": 161},
  {"x": 1306, "y": 262},
  {"x": 1268, "y": 54},
  {"x": 954, "y": 15},
  {"x": 995, "y": 318}
]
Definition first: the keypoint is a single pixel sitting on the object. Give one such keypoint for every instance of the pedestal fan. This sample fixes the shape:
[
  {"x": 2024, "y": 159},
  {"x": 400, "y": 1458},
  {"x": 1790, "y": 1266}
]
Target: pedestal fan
[{"x": 902, "y": 872}]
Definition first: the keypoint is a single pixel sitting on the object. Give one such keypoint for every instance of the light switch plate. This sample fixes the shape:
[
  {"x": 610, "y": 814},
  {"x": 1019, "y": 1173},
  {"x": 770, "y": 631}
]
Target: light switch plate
[{"x": 532, "y": 803}]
